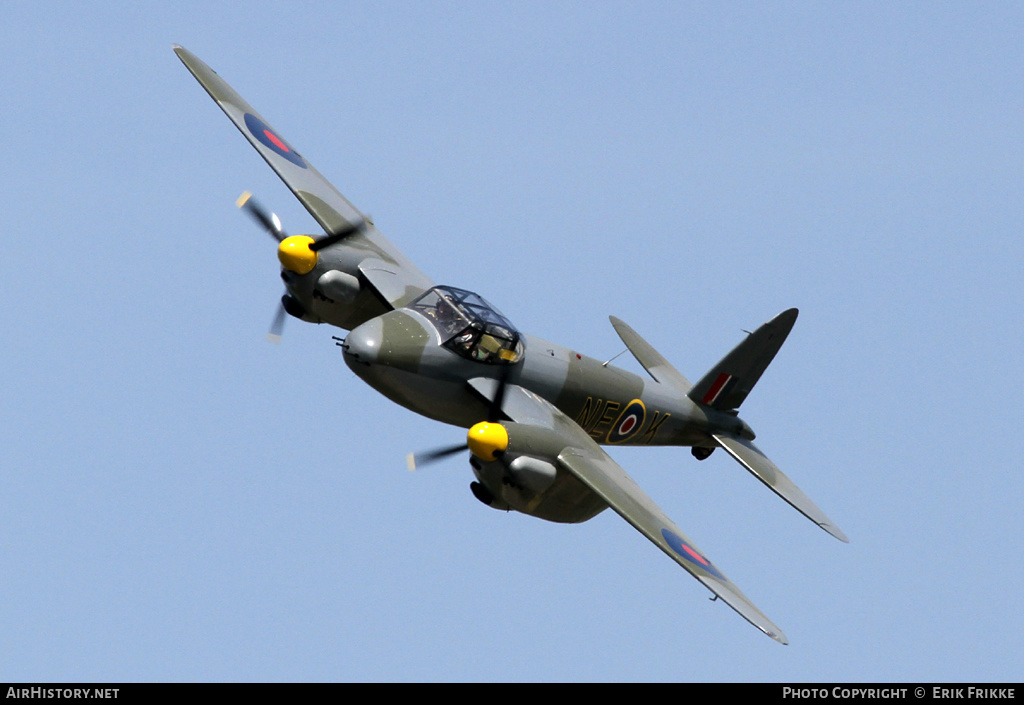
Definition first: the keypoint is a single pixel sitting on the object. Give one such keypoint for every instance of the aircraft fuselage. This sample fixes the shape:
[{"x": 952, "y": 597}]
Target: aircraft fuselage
[{"x": 400, "y": 355}]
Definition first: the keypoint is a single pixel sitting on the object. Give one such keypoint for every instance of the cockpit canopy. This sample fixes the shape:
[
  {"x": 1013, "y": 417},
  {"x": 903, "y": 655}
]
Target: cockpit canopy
[{"x": 470, "y": 326}]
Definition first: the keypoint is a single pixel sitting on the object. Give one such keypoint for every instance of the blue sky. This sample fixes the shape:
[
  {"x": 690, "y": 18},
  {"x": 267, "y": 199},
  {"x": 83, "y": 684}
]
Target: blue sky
[{"x": 182, "y": 501}]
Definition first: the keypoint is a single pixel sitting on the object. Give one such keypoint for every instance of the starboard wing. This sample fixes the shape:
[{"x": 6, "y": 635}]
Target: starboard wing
[
  {"x": 402, "y": 281},
  {"x": 585, "y": 459},
  {"x": 606, "y": 478}
]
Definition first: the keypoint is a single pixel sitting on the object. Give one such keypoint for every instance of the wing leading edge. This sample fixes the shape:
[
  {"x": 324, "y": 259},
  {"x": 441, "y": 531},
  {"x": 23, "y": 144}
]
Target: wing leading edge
[
  {"x": 585, "y": 459},
  {"x": 395, "y": 277}
]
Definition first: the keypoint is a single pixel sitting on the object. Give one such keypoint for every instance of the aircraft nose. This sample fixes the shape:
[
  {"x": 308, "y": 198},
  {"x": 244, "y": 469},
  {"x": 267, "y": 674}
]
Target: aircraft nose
[
  {"x": 362, "y": 344},
  {"x": 395, "y": 340}
]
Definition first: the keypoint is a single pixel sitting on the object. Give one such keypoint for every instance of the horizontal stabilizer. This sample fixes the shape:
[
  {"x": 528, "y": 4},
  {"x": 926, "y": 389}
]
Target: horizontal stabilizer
[
  {"x": 751, "y": 457},
  {"x": 730, "y": 381},
  {"x": 656, "y": 365}
]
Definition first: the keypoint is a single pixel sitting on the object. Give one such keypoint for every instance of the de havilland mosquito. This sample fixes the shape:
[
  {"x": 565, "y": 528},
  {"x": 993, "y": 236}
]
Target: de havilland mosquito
[{"x": 538, "y": 413}]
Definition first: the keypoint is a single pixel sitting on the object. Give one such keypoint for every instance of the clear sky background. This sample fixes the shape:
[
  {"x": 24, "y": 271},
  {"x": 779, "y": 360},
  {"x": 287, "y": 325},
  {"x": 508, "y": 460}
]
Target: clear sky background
[{"x": 182, "y": 501}]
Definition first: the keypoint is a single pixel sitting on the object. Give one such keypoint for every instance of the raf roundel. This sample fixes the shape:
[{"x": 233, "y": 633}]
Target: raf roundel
[
  {"x": 269, "y": 139},
  {"x": 628, "y": 423},
  {"x": 690, "y": 554}
]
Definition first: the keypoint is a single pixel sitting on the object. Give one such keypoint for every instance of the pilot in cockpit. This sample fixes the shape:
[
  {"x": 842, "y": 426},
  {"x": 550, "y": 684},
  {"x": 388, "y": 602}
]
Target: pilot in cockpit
[{"x": 470, "y": 326}]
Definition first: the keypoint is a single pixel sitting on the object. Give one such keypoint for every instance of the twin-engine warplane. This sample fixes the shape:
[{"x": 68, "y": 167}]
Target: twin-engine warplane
[{"x": 537, "y": 412}]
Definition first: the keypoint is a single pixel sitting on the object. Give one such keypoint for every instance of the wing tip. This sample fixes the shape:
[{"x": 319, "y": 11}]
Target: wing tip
[
  {"x": 727, "y": 592},
  {"x": 835, "y": 531},
  {"x": 775, "y": 634}
]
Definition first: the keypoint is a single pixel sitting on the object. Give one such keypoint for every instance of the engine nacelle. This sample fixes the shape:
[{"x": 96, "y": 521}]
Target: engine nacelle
[
  {"x": 532, "y": 474},
  {"x": 514, "y": 483},
  {"x": 517, "y": 464},
  {"x": 511, "y": 453},
  {"x": 338, "y": 286}
]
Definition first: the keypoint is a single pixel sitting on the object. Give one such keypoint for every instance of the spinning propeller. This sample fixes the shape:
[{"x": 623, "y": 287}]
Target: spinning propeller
[
  {"x": 297, "y": 253},
  {"x": 269, "y": 221},
  {"x": 486, "y": 440}
]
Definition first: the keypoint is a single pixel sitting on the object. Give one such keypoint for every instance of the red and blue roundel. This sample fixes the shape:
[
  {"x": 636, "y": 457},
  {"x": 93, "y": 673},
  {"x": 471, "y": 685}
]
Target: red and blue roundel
[
  {"x": 628, "y": 423},
  {"x": 690, "y": 554},
  {"x": 269, "y": 139}
]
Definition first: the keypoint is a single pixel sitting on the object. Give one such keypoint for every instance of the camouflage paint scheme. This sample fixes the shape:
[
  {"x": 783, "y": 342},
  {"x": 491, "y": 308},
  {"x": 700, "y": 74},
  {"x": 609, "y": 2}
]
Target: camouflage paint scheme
[{"x": 554, "y": 406}]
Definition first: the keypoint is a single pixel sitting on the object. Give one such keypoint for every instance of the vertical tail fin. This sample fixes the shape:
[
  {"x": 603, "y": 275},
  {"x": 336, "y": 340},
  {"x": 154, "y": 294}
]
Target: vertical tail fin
[{"x": 730, "y": 381}]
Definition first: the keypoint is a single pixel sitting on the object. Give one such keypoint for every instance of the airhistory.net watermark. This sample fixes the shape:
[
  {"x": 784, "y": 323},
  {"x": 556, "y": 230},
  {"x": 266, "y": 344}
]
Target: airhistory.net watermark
[{"x": 64, "y": 693}]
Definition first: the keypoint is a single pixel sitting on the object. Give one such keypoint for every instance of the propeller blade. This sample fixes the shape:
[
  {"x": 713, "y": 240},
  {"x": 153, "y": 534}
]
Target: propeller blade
[
  {"x": 277, "y": 326},
  {"x": 329, "y": 240},
  {"x": 494, "y": 413},
  {"x": 269, "y": 221},
  {"x": 413, "y": 460}
]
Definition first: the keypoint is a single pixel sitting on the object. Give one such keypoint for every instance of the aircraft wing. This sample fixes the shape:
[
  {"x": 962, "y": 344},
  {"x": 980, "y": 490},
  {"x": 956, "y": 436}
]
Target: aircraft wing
[
  {"x": 585, "y": 459},
  {"x": 750, "y": 456},
  {"x": 396, "y": 278}
]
